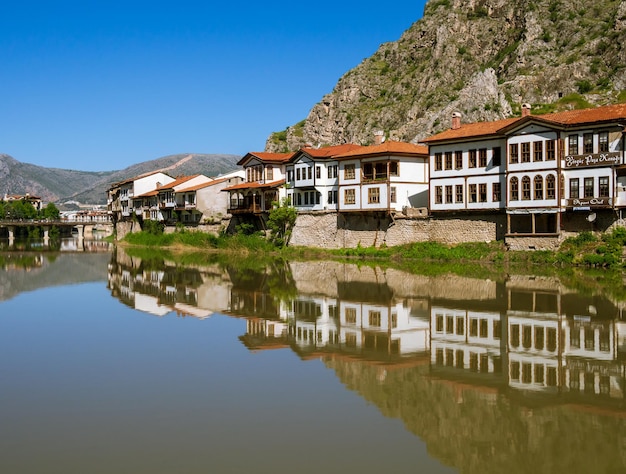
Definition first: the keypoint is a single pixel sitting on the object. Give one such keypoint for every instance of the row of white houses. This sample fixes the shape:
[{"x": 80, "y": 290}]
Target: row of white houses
[
  {"x": 387, "y": 177},
  {"x": 545, "y": 173},
  {"x": 537, "y": 169},
  {"x": 534, "y": 176},
  {"x": 160, "y": 197}
]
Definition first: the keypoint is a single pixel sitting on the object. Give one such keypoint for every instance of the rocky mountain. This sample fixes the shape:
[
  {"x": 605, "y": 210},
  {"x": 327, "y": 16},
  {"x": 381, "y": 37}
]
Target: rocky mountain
[
  {"x": 57, "y": 185},
  {"x": 482, "y": 58}
]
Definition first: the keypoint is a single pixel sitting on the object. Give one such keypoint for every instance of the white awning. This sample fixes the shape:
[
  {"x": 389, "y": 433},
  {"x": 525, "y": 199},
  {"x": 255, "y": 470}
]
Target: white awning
[{"x": 533, "y": 210}]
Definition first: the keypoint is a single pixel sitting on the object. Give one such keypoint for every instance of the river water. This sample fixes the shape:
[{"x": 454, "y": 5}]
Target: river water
[{"x": 127, "y": 362}]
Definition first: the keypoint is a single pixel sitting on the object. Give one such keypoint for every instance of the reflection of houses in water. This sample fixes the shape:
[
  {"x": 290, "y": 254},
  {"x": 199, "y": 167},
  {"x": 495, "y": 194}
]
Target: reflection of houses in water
[
  {"x": 542, "y": 341},
  {"x": 466, "y": 339},
  {"x": 315, "y": 325},
  {"x": 163, "y": 289},
  {"x": 535, "y": 350}
]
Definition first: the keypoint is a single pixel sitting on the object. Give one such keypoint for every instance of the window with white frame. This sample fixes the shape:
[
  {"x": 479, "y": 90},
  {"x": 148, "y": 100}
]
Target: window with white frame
[
  {"x": 588, "y": 188},
  {"x": 472, "y": 158},
  {"x": 349, "y": 196},
  {"x": 458, "y": 160},
  {"x": 482, "y": 157},
  {"x": 495, "y": 192},
  {"x": 459, "y": 193},
  {"x": 525, "y": 188},
  {"x": 603, "y": 186},
  {"x": 550, "y": 150},
  {"x": 538, "y": 151},
  {"x": 449, "y": 194},
  {"x": 572, "y": 145},
  {"x": 588, "y": 143},
  {"x": 574, "y": 188},
  {"x": 349, "y": 171},
  {"x": 514, "y": 189},
  {"x": 482, "y": 192},
  {"x": 438, "y": 161},
  {"x": 550, "y": 187},
  {"x": 538, "y": 184},
  {"x": 513, "y": 153},
  {"x": 473, "y": 193},
  {"x": 373, "y": 195},
  {"x": 603, "y": 142}
]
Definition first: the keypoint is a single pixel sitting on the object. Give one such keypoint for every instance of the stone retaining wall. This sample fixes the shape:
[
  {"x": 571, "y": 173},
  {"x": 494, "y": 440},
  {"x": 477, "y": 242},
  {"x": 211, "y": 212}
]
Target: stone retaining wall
[{"x": 332, "y": 230}]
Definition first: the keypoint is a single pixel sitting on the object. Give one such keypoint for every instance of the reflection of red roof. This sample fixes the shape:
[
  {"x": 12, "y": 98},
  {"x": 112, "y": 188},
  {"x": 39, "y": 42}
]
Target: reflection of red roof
[
  {"x": 255, "y": 185},
  {"x": 266, "y": 157},
  {"x": 389, "y": 147},
  {"x": 567, "y": 118}
]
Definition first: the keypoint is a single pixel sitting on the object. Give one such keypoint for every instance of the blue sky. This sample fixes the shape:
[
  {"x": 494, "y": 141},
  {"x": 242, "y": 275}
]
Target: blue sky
[{"x": 102, "y": 85}]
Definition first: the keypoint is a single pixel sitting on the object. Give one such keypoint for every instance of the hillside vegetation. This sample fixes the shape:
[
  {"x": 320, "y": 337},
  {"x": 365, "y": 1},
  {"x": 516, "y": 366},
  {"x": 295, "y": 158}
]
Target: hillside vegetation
[{"x": 483, "y": 58}]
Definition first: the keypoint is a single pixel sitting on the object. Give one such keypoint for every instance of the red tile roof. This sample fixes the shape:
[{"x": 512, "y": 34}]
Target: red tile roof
[
  {"x": 177, "y": 182},
  {"x": 471, "y": 130},
  {"x": 583, "y": 116},
  {"x": 567, "y": 118},
  {"x": 330, "y": 151},
  {"x": 255, "y": 185},
  {"x": 204, "y": 185},
  {"x": 130, "y": 180},
  {"x": 388, "y": 147},
  {"x": 266, "y": 157}
]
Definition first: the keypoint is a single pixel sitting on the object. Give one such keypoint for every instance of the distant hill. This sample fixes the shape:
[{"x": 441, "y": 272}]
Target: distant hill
[{"x": 87, "y": 187}]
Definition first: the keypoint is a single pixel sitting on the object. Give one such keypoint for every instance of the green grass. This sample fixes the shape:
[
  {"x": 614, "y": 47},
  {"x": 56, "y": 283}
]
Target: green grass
[{"x": 584, "y": 250}]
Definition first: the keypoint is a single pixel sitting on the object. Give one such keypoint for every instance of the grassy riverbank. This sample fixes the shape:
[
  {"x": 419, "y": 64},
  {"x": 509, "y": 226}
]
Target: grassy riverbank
[{"x": 586, "y": 249}]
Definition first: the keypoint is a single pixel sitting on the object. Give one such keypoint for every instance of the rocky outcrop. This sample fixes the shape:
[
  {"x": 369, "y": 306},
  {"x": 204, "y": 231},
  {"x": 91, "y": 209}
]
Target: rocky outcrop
[{"x": 483, "y": 58}]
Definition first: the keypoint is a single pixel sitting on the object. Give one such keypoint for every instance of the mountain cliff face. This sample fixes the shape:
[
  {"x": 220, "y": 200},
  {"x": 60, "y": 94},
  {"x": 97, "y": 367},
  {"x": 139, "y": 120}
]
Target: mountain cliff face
[{"x": 482, "y": 58}]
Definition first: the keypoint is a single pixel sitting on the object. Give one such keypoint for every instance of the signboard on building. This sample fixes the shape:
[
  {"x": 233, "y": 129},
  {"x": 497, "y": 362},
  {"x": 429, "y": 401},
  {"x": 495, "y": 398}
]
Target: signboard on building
[
  {"x": 590, "y": 203},
  {"x": 593, "y": 159}
]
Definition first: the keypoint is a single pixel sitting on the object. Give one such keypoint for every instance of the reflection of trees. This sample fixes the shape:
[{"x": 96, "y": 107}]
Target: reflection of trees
[
  {"x": 259, "y": 287},
  {"x": 479, "y": 430}
]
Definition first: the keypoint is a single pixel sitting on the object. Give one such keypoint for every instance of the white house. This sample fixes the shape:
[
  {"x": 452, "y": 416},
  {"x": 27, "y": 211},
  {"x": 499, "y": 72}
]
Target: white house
[
  {"x": 388, "y": 177},
  {"x": 264, "y": 183},
  {"x": 312, "y": 177}
]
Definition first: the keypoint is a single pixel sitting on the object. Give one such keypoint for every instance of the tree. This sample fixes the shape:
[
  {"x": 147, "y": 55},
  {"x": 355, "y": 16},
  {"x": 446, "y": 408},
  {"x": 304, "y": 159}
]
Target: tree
[
  {"x": 281, "y": 220},
  {"x": 50, "y": 212}
]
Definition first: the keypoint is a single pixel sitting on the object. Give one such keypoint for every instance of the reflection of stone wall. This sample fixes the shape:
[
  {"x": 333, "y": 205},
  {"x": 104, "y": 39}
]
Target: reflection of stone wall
[
  {"x": 332, "y": 230},
  {"x": 322, "y": 278},
  {"x": 443, "y": 286}
]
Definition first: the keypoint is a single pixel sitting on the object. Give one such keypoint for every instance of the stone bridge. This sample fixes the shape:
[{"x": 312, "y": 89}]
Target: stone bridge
[{"x": 84, "y": 228}]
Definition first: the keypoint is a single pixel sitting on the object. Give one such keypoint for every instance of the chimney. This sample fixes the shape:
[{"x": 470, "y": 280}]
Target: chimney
[
  {"x": 525, "y": 110},
  {"x": 379, "y": 137},
  {"x": 456, "y": 121}
]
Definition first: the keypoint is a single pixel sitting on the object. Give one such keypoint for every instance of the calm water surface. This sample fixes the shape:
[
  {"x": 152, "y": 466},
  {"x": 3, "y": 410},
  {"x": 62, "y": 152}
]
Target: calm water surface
[{"x": 113, "y": 363}]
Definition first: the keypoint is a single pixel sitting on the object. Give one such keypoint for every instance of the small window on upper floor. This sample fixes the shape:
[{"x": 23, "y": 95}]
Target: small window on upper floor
[
  {"x": 588, "y": 143},
  {"x": 572, "y": 145},
  {"x": 603, "y": 142},
  {"x": 349, "y": 171}
]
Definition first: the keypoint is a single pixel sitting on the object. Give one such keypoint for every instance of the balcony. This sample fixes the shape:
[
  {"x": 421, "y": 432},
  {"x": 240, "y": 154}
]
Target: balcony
[{"x": 245, "y": 208}]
